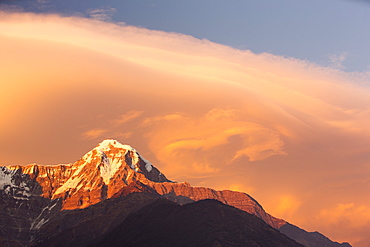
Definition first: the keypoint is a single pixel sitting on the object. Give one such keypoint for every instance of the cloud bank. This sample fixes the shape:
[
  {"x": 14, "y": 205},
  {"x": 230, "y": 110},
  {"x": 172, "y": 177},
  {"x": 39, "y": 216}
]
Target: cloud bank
[{"x": 293, "y": 133}]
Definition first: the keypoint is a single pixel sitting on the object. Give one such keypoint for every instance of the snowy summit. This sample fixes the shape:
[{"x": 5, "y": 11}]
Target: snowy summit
[{"x": 109, "y": 143}]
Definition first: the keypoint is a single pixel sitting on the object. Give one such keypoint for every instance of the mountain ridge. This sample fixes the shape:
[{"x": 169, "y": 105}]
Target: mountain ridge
[{"x": 109, "y": 170}]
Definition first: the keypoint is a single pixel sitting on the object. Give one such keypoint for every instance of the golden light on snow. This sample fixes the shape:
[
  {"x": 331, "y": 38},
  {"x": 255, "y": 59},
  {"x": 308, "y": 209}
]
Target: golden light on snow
[{"x": 295, "y": 133}]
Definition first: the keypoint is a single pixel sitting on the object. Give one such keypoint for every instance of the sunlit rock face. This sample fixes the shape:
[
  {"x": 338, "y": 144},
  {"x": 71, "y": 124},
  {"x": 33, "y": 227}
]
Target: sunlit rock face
[
  {"x": 98, "y": 175},
  {"x": 183, "y": 193}
]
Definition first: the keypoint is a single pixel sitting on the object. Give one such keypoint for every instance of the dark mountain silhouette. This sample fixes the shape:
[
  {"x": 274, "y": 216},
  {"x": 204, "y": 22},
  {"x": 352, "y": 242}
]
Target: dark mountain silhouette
[{"x": 203, "y": 223}]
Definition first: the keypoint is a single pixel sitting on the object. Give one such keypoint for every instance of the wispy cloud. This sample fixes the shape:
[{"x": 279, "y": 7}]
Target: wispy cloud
[
  {"x": 43, "y": 1},
  {"x": 337, "y": 60},
  {"x": 42, "y": 4},
  {"x": 93, "y": 134},
  {"x": 347, "y": 213},
  {"x": 10, "y": 8},
  {"x": 126, "y": 117},
  {"x": 102, "y": 14}
]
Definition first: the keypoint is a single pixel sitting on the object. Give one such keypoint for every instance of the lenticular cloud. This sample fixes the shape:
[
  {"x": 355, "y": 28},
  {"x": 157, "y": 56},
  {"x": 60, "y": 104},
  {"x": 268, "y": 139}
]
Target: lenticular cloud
[{"x": 200, "y": 111}]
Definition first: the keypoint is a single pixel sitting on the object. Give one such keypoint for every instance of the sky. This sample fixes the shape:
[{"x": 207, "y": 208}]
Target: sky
[{"x": 271, "y": 99}]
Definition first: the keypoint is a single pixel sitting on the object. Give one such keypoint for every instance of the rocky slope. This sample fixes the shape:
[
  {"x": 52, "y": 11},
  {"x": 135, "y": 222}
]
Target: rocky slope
[
  {"x": 184, "y": 193},
  {"x": 37, "y": 193}
]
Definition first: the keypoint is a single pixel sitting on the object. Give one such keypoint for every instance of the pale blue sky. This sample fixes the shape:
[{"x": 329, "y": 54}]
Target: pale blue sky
[{"x": 333, "y": 33}]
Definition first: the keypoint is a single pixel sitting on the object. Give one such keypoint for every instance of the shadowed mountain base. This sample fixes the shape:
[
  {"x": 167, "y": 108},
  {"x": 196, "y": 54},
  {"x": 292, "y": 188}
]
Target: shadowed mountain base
[{"x": 202, "y": 223}]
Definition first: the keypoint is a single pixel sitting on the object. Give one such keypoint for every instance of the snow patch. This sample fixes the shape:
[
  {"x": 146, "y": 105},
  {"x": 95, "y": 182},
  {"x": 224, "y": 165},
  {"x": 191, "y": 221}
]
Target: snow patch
[
  {"x": 148, "y": 165},
  {"x": 39, "y": 221},
  {"x": 88, "y": 158},
  {"x": 106, "y": 145},
  {"x": 109, "y": 167},
  {"x": 6, "y": 176},
  {"x": 19, "y": 191},
  {"x": 72, "y": 182},
  {"x": 135, "y": 160}
]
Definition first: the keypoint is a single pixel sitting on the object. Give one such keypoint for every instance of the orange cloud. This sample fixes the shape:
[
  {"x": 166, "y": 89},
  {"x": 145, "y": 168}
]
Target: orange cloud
[
  {"x": 128, "y": 116},
  {"x": 239, "y": 187},
  {"x": 346, "y": 222},
  {"x": 190, "y": 140},
  {"x": 286, "y": 206},
  {"x": 199, "y": 111},
  {"x": 356, "y": 216},
  {"x": 93, "y": 134}
]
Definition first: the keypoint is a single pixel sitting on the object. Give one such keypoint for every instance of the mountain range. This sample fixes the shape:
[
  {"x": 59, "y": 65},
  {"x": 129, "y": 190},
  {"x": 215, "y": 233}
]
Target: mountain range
[{"x": 112, "y": 196}]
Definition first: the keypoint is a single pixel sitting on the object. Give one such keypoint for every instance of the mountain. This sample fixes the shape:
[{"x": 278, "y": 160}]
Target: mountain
[
  {"x": 98, "y": 175},
  {"x": 34, "y": 198},
  {"x": 202, "y": 223}
]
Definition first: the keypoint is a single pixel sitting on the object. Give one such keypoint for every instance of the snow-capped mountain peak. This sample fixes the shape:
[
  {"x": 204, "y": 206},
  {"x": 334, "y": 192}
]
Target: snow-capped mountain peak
[
  {"x": 106, "y": 168},
  {"x": 110, "y": 143},
  {"x": 101, "y": 166},
  {"x": 110, "y": 165}
]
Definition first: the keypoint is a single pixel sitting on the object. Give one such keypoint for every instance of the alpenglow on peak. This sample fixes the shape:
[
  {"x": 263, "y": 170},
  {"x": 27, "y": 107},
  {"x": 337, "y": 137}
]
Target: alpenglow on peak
[{"x": 109, "y": 143}]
